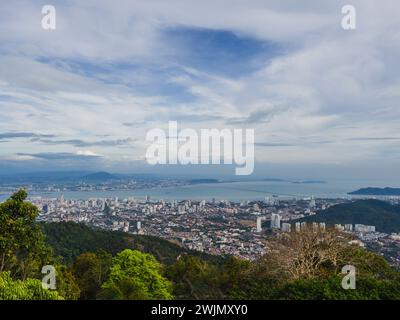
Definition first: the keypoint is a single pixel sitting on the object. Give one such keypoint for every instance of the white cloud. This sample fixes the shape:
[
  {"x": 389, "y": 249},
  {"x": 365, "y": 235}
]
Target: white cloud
[
  {"x": 88, "y": 153},
  {"x": 323, "y": 80}
]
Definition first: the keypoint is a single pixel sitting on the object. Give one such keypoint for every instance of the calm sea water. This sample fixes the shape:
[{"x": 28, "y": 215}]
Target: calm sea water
[{"x": 232, "y": 191}]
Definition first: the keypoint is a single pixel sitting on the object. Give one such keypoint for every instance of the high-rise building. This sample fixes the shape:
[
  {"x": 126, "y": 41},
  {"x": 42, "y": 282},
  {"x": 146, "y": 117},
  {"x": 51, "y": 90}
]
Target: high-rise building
[
  {"x": 312, "y": 203},
  {"x": 126, "y": 226},
  {"x": 259, "y": 224},
  {"x": 348, "y": 227},
  {"x": 275, "y": 221}
]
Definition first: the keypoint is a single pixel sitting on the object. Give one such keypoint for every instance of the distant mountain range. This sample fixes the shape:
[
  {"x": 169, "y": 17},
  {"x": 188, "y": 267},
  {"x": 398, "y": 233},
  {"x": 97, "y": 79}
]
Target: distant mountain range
[
  {"x": 44, "y": 177},
  {"x": 377, "y": 191},
  {"x": 72, "y": 176},
  {"x": 383, "y": 215},
  {"x": 87, "y": 176}
]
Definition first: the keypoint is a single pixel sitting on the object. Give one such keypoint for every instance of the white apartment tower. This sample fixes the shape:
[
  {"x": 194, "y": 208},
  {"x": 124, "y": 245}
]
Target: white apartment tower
[
  {"x": 275, "y": 221},
  {"x": 259, "y": 225}
]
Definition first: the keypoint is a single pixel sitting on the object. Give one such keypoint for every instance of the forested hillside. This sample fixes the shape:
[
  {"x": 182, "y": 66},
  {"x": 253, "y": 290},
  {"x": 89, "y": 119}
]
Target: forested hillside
[
  {"x": 69, "y": 240},
  {"x": 383, "y": 215}
]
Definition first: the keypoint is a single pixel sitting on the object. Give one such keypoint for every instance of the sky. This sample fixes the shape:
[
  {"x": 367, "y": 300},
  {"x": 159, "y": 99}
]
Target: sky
[{"x": 323, "y": 101}]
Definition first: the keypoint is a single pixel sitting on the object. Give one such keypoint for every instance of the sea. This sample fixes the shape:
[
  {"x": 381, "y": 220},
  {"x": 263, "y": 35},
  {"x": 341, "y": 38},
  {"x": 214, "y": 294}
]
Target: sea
[{"x": 231, "y": 191}]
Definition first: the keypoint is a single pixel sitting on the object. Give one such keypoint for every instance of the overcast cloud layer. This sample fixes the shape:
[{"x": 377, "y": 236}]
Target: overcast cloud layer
[{"x": 318, "y": 96}]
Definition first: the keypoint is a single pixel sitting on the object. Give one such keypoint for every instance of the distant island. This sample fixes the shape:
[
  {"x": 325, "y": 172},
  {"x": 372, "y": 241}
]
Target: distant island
[
  {"x": 99, "y": 176},
  {"x": 377, "y": 191},
  {"x": 309, "y": 182},
  {"x": 200, "y": 181}
]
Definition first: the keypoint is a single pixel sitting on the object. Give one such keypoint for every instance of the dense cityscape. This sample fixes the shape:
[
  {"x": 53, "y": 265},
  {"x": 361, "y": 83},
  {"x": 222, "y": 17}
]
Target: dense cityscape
[{"x": 215, "y": 227}]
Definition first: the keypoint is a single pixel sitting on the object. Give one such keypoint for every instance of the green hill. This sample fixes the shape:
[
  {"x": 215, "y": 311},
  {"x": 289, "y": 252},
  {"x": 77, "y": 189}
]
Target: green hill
[
  {"x": 70, "y": 239},
  {"x": 383, "y": 215},
  {"x": 377, "y": 191}
]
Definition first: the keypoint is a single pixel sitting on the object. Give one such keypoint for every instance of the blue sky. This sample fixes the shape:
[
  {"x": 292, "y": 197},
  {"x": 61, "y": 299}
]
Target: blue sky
[
  {"x": 84, "y": 95},
  {"x": 221, "y": 52}
]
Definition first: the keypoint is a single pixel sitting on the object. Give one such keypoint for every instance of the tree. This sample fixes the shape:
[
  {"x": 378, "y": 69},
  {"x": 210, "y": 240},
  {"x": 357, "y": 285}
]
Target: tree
[
  {"x": 194, "y": 278},
  {"x": 29, "y": 289},
  {"x": 66, "y": 283},
  {"x": 91, "y": 271},
  {"x": 22, "y": 245},
  {"x": 307, "y": 253},
  {"x": 135, "y": 275},
  {"x": 241, "y": 279}
]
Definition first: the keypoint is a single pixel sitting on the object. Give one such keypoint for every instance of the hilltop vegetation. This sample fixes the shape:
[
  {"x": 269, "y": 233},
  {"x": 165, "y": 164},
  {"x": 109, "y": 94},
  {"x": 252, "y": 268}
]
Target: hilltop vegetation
[{"x": 383, "y": 215}]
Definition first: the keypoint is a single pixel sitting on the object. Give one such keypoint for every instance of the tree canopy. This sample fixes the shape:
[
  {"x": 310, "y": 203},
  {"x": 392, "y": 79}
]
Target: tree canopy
[
  {"x": 136, "y": 275},
  {"x": 23, "y": 250},
  {"x": 29, "y": 289}
]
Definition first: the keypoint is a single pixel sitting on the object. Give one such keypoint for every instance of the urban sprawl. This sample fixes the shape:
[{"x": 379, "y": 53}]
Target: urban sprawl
[{"x": 215, "y": 227}]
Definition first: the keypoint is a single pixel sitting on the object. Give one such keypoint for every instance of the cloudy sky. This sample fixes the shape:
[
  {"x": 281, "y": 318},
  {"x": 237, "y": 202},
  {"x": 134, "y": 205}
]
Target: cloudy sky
[{"x": 323, "y": 101}]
